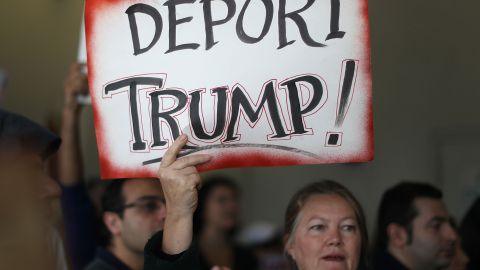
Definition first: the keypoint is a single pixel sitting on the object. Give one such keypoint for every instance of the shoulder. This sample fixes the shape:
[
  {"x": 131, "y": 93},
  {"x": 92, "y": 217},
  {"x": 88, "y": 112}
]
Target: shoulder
[{"x": 245, "y": 258}]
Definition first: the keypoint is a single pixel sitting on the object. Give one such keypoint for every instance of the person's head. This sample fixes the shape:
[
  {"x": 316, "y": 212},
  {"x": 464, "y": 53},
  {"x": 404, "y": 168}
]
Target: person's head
[
  {"x": 325, "y": 228},
  {"x": 217, "y": 205},
  {"x": 413, "y": 225},
  {"x": 25, "y": 147},
  {"x": 26, "y": 192},
  {"x": 133, "y": 210}
]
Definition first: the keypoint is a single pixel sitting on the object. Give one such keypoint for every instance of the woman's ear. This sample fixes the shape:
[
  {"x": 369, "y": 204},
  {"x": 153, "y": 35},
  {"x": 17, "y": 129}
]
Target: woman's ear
[{"x": 289, "y": 246}]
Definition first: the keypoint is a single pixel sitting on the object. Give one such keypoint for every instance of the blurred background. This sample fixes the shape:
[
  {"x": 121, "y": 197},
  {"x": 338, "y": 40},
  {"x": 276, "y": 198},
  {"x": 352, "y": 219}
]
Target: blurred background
[{"x": 426, "y": 74}]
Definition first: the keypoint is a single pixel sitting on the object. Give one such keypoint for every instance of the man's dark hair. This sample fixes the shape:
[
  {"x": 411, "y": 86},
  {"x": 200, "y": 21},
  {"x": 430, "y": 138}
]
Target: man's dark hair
[
  {"x": 397, "y": 206},
  {"x": 112, "y": 200}
]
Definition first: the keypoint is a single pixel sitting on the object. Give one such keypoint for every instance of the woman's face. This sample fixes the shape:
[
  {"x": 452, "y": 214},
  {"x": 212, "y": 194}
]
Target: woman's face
[
  {"x": 327, "y": 236},
  {"x": 222, "y": 208}
]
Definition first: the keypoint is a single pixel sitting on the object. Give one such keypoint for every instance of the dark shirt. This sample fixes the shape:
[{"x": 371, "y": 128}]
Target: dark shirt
[
  {"x": 385, "y": 261},
  {"x": 155, "y": 259},
  {"x": 243, "y": 259},
  {"x": 105, "y": 260},
  {"x": 470, "y": 235}
]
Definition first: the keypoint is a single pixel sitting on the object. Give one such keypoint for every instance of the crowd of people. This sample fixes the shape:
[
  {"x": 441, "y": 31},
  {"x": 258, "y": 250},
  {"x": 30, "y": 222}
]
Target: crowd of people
[{"x": 181, "y": 221}]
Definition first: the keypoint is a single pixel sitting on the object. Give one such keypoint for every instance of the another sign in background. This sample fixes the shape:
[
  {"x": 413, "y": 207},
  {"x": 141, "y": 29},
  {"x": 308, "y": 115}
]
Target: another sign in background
[{"x": 253, "y": 83}]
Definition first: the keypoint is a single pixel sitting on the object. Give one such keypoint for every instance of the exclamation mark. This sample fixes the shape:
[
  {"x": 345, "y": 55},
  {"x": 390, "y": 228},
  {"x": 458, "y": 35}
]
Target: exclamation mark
[{"x": 345, "y": 96}]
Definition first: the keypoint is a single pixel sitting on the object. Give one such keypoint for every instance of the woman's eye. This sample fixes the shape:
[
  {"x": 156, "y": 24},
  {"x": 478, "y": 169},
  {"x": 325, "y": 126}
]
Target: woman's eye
[
  {"x": 349, "y": 228},
  {"x": 317, "y": 227}
]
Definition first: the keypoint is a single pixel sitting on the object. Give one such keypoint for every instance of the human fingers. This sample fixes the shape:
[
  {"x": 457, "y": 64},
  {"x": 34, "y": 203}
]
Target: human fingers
[
  {"x": 76, "y": 81},
  {"x": 186, "y": 177},
  {"x": 171, "y": 154},
  {"x": 189, "y": 161}
]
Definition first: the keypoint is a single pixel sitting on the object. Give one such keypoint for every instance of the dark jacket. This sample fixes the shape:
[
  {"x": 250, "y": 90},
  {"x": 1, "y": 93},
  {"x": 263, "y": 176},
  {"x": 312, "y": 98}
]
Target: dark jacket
[
  {"x": 105, "y": 260},
  {"x": 155, "y": 259},
  {"x": 385, "y": 261},
  {"x": 470, "y": 235},
  {"x": 243, "y": 259}
]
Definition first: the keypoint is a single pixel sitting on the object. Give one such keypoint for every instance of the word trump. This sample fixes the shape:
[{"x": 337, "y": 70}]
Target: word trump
[{"x": 230, "y": 105}]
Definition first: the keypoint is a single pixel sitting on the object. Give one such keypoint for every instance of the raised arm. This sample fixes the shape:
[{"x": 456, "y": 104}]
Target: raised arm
[
  {"x": 81, "y": 225},
  {"x": 71, "y": 163},
  {"x": 180, "y": 181}
]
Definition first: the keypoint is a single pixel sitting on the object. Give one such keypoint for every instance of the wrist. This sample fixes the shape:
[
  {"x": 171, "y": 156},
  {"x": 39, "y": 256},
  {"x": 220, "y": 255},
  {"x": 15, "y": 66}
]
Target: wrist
[
  {"x": 70, "y": 120},
  {"x": 177, "y": 234},
  {"x": 71, "y": 111},
  {"x": 179, "y": 215}
]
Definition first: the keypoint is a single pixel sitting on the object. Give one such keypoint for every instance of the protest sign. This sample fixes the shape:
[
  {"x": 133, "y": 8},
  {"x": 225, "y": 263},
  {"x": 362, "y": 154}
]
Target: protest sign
[{"x": 253, "y": 83}]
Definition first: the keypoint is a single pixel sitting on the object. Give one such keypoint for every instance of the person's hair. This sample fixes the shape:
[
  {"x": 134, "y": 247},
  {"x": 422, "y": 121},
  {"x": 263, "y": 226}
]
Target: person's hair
[
  {"x": 325, "y": 187},
  {"x": 397, "y": 206},
  {"x": 209, "y": 185},
  {"x": 112, "y": 200}
]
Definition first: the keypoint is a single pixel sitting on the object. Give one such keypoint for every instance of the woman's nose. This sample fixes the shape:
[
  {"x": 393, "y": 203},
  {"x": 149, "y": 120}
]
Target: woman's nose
[{"x": 334, "y": 238}]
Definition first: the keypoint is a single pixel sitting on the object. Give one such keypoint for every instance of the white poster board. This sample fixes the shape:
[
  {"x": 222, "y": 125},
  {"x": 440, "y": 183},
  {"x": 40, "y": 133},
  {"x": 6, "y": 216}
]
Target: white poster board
[{"x": 253, "y": 83}]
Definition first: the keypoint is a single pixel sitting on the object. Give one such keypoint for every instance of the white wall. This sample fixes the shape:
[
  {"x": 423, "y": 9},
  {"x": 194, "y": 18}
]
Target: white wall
[
  {"x": 38, "y": 40},
  {"x": 425, "y": 75}
]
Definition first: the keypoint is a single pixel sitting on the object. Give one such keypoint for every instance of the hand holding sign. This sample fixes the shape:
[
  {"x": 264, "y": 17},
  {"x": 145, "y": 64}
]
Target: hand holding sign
[
  {"x": 180, "y": 181},
  {"x": 253, "y": 83},
  {"x": 76, "y": 84}
]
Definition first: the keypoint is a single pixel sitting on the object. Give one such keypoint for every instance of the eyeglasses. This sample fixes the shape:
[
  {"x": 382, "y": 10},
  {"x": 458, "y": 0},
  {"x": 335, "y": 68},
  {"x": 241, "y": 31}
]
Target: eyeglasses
[{"x": 147, "y": 204}]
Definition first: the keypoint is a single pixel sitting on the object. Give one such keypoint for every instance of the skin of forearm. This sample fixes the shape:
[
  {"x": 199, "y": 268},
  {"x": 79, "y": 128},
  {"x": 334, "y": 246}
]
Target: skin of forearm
[{"x": 177, "y": 233}]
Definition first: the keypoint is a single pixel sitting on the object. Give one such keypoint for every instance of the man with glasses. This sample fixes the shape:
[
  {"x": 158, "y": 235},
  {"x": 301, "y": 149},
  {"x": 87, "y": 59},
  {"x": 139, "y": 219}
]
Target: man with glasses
[
  {"x": 414, "y": 230},
  {"x": 132, "y": 210}
]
